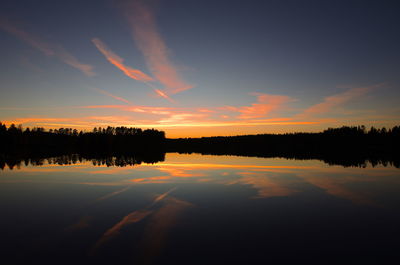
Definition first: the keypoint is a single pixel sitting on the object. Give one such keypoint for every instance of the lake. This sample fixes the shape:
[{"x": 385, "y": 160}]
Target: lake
[{"x": 199, "y": 209}]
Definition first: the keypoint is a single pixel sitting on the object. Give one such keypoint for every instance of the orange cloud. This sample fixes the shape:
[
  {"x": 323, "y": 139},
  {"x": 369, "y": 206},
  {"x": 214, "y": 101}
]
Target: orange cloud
[
  {"x": 35, "y": 120},
  {"x": 111, "y": 95},
  {"x": 119, "y": 62},
  {"x": 162, "y": 94},
  {"x": 46, "y": 48},
  {"x": 136, "y": 108},
  {"x": 176, "y": 118},
  {"x": 205, "y": 110},
  {"x": 265, "y": 104},
  {"x": 151, "y": 44},
  {"x": 172, "y": 119}
]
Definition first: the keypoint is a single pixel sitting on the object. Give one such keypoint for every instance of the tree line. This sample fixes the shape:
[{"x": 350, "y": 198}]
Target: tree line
[
  {"x": 17, "y": 140},
  {"x": 347, "y": 146}
]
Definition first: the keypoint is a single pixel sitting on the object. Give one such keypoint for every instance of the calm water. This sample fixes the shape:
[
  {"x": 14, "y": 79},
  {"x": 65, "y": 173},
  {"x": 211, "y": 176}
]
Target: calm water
[{"x": 193, "y": 209}]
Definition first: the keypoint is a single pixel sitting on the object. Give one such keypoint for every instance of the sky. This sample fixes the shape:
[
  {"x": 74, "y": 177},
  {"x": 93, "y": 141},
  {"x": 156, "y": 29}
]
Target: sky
[{"x": 200, "y": 68}]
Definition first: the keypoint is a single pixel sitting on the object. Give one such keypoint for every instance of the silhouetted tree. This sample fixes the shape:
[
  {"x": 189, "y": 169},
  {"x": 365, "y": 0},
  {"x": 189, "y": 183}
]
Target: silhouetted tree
[{"x": 349, "y": 146}]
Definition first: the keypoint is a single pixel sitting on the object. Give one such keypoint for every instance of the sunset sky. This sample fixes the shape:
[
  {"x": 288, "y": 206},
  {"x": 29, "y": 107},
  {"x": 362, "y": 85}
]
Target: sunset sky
[{"x": 200, "y": 68}]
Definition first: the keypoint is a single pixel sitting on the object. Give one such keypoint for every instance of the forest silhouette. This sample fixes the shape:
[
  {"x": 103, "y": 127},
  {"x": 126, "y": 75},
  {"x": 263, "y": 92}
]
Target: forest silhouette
[{"x": 122, "y": 146}]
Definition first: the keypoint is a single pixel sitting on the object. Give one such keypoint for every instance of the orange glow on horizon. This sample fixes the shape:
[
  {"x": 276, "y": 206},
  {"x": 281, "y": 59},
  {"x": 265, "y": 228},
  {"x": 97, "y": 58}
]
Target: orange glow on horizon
[
  {"x": 182, "y": 122},
  {"x": 180, "y": 130}
]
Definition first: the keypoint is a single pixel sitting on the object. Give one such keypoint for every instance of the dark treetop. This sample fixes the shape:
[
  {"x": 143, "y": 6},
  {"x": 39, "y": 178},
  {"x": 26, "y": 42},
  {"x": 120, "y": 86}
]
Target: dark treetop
[{"x": 120, "y": 146}]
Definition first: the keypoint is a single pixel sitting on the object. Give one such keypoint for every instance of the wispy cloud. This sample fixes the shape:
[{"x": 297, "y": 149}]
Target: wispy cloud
[
  {"x": 29, "y": 38},
  {"x": 266, "y": 103},
  {"x": 46, "y": 48},
  {"x": 162, "y": 94},
  {"x": 153, "y": 47},
  {"x": 101, "y": 91},
  {"x": 182, "y": 117},
  {"x": 170, "y": 121},
  {"x": 135, "y": 108},
  {"x": 69, "y": 59},
  {"x": 35, "y": 120},
  {"x": 119, "y": 62},
  {"x": 329, "y": 103},
  {"x": 128, "y": 71}
]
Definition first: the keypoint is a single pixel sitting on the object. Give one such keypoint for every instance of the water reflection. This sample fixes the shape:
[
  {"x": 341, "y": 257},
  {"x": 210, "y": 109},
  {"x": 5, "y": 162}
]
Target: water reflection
[
  {"x": 161, "y": 214},
  {"x": 155, "y": 156},
  {"x": 131, "y": 218},
  {"x": 107, "y": 196},
  {"x": 156, "y": 232},
  {"x": 83, "y": 223},
  {"x": 194, "y": 209},
  {"x": 268, "y": 177},
  {"x": 118, "y": 160}
]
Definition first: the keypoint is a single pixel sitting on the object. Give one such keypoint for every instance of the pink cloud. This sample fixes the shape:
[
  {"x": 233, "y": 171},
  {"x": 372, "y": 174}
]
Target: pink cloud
[
  {"x": 46, "y": 48},
  {"x": 153, "y": 47},
  {"x": 265, "y": 104},
  {"x": 162, "y": 94},
  {"x": 135, "y": 108},
  {"x": 176, "y": 118},
  {"x": 119, "y": 62},
  {"x": 69, "y": 59},
  {"x": 160, "y": 118},
  {"x": 331, "y": 102}
]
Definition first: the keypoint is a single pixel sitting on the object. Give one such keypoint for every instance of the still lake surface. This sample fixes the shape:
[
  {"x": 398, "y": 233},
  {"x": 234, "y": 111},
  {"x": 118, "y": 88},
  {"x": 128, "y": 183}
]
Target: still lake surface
[{"x": 199, "y": 209}]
